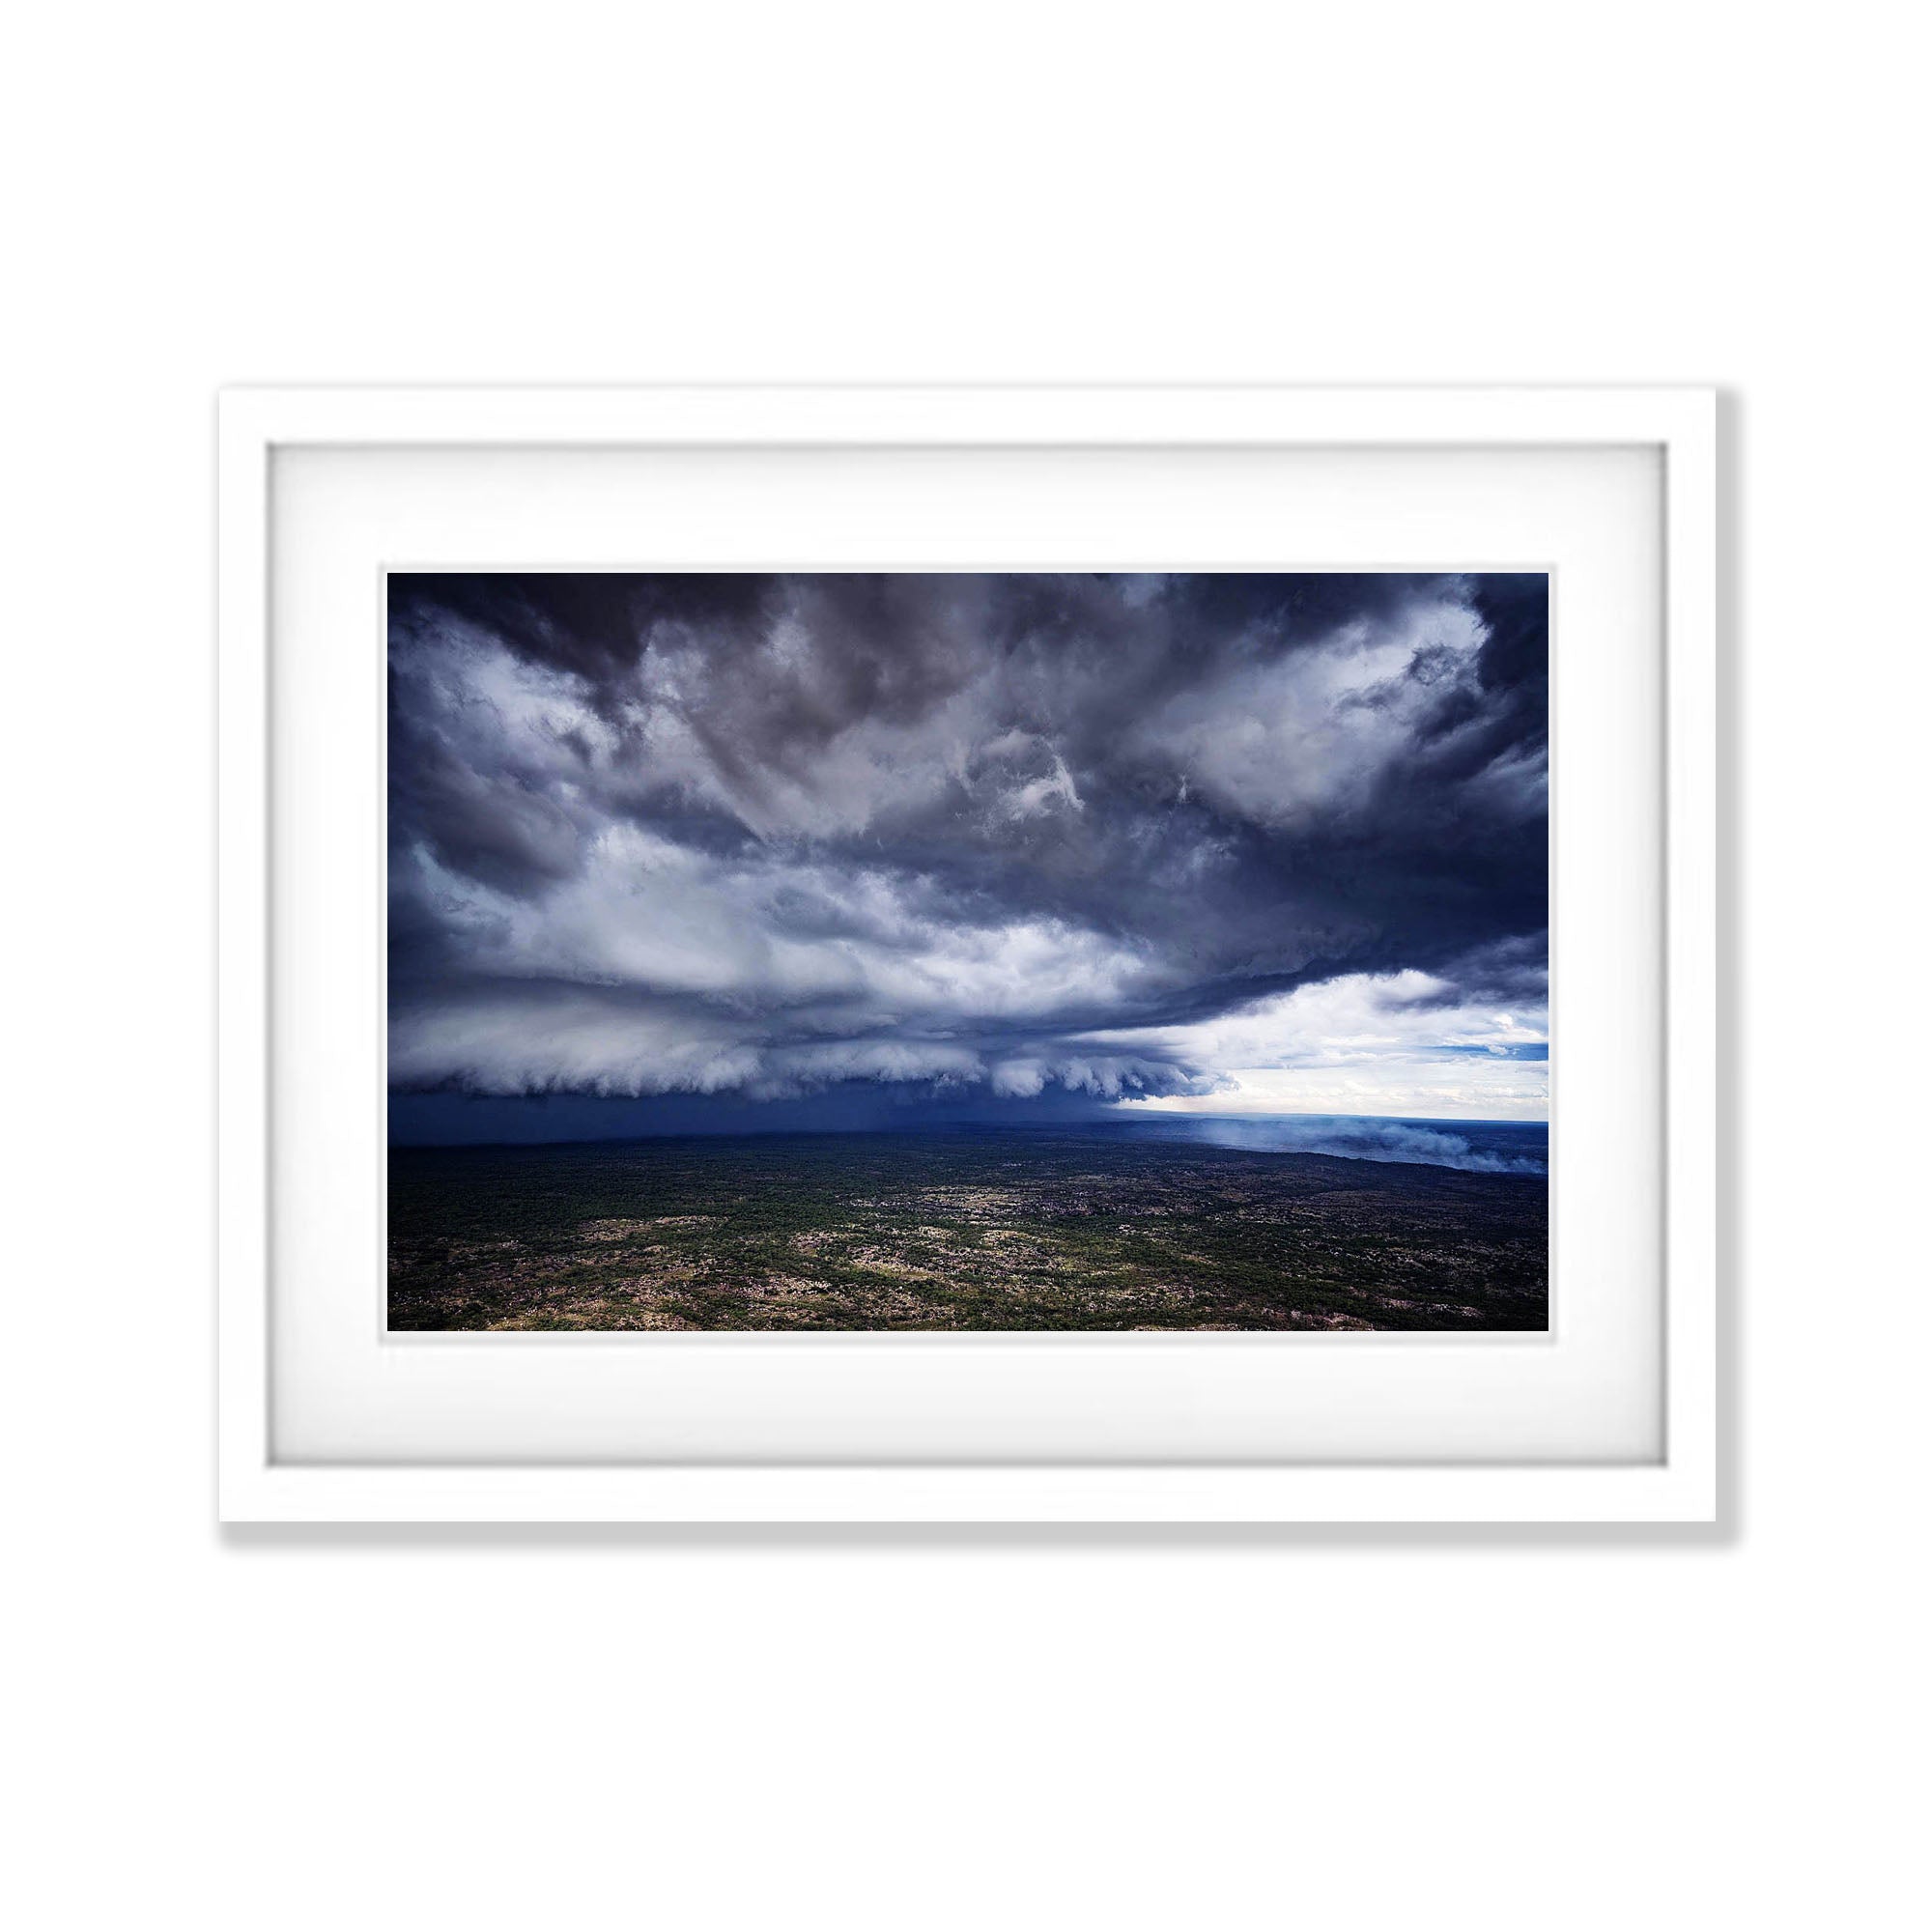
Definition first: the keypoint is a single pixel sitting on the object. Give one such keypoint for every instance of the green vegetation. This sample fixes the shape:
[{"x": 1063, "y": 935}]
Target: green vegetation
[{"x": 968, "y": 1230}]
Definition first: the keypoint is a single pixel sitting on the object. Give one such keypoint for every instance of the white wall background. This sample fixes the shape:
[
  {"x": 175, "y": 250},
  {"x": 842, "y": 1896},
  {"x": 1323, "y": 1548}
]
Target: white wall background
[{"x": 600, "y": 1729}]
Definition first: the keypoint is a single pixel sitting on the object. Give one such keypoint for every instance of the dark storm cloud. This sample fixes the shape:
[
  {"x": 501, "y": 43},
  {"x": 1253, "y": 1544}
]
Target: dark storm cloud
[{"x": 761, "y": 835}]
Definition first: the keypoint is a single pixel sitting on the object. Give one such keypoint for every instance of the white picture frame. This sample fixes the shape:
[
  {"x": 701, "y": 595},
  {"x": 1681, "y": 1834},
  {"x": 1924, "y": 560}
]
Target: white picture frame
[{"x": 1679, "y": 1483}]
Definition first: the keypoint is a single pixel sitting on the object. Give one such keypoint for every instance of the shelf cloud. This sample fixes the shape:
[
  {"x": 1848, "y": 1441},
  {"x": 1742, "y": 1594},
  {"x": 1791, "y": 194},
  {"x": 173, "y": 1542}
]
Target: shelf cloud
[{"x": 1212, "y": 841}]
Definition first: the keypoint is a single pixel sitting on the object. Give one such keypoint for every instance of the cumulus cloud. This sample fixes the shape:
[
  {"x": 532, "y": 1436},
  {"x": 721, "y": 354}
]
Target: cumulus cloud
[
  {"x": 1472, "y": 1042},
  {"x": 1155, "y": 839}
]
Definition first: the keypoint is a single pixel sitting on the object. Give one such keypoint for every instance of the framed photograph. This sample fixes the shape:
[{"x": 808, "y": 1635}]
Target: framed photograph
[{"x": 968, "y": 955}]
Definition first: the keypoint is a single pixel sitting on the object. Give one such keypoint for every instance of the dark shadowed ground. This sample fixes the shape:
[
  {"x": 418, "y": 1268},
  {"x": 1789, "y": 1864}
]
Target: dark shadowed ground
[{"x": 967, "y": 1229}]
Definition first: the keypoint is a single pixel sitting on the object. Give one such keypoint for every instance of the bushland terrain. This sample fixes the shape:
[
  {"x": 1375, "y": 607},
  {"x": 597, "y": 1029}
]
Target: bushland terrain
[{"x": 968, "y": 1228}]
